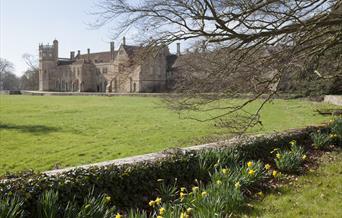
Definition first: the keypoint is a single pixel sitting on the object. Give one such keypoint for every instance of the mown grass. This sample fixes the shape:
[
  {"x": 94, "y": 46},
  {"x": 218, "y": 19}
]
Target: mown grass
[
  {"x": 42, "y": 132},
  {"x": 317, "y": 194}
]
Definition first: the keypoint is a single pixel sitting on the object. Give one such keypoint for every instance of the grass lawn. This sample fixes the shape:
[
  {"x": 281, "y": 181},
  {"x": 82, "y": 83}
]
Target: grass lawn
[
  {"x": 42, "y": 132},
  {"x": 317, "y": 194}
]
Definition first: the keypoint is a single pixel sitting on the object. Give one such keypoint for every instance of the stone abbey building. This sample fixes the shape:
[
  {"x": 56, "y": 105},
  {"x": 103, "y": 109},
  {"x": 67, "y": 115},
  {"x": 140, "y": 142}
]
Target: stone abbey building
[{"x": 112, "y": 71}]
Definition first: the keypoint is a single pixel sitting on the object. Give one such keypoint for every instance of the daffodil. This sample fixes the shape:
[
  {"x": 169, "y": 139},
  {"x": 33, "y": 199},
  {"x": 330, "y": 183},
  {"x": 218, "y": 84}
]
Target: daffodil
[
  {"x": 274, "y": 173},
  {"x": 218, "y": 182},
  {"x": 225, "y": 171},
  {"x": 183, "y": 189},
  {"x": 251, "y": 172},
  {"x": 278, "y": 155},
  {"x": 161, "y": 211},
  {"x": 118, "y": 215},
  {"x": 237, "y": 185},
  {"x": 182, "y": 195},
  {"x": 267, "y": 166},
  {"x": 151, "y": 203},
  {"x": 260, "y": 194},
  {"x": 184, "y": 215},
  {"x": 195, "y": 189},
  {"x": 189, "y": 210},
  {"x": 304, "y": 157},
  {"x": 159, "y": 216},
  {"x": 293, "y": 142},
  {"x": 204, "y": 194},
  {"x": 158, "y": 200},
  {"x": 250, "y": 163},
  {"x": 108, "y": 198}
]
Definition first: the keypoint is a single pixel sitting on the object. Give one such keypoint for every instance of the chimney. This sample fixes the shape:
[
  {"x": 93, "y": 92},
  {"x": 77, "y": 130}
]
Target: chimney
[
  {"x": 72, "y": 55},
  {"x": 178, "y": 49},
  {"x": 124, "y": 40},
  {"x": 88, "y": 53},
  {"x": 78, "y": 53},
  {"x": 112, "y": 50}
]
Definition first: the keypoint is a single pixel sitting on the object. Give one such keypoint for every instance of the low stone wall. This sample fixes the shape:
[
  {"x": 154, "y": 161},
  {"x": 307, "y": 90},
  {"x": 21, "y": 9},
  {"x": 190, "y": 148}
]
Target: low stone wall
[
  {"x": 41, "y": 93},
  {"x": 333, "y": 99},
  {"x": 243, "y": 141}
]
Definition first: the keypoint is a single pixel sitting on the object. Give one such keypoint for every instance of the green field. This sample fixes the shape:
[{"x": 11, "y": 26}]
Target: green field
[{"x": 43, "y": 132}]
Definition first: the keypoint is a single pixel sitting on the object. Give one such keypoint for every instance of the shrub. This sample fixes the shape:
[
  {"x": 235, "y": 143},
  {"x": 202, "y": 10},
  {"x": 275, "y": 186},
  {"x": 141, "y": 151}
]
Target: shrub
[
  {"x": 320, "y": 140},
  {"x": 290, "y": 161}
]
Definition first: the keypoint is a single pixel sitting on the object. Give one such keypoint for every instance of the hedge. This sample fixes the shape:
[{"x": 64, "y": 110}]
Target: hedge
[{"x": 132, "y": 185}]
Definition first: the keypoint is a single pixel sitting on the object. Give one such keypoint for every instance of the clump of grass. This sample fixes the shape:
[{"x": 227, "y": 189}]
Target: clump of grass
[
  {"x": 290, "y": 161},
  {"x": 11, "y": 208},
  {"x": 336, "y": 131},
  {"x": 320, "y": 140}
]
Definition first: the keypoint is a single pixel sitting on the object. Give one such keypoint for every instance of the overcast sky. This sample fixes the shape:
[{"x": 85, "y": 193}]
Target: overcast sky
[{"x": 26, "y": 23}]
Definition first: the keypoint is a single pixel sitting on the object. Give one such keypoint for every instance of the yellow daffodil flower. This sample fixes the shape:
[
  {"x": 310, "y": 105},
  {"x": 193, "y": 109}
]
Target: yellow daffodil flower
[
  {"x": 159, "y": 216},
  {"x": 182, "y": 195},
  {"x": 218, "y": 182},
  {"x": 118, "y": 215},
  {"x": 161, "y": 211},
  {"x": 108, "y": 198},
  {"x": 195, "y": 189},
  {"x": 151, "y": 203},
  {"x": 225, "y": 171},
  {"x": 278, "y": 156},
  {"x": 304, "y": 157},
  {"x": 204, "y": 194},
  {"x": 158, "y": 200},
  {"x": 260, "y": 194},
  {"x": 250, "y": 163},
  {"x": 183, "y": 189},
  {"x": 189, "y": 210},
  {"x": 237, "y": 185},
  {"x": 267, "y": 166},
  {"x": 251, "y": 172},
  {"x": 274, "y": 173},
  {"x": 293, "y": 142}
]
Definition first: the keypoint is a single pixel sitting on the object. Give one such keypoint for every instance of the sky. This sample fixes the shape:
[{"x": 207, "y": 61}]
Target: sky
[{"x": 26, "y": 23}]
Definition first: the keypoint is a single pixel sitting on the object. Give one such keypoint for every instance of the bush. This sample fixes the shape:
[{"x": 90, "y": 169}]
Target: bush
[
  {"x": 320, "y": 140},
  {"x": 290, "y": 161}
]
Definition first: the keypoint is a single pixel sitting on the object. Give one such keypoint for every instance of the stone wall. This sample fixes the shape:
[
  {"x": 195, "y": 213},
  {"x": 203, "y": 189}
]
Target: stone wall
[{"x": 301, "y": 135}]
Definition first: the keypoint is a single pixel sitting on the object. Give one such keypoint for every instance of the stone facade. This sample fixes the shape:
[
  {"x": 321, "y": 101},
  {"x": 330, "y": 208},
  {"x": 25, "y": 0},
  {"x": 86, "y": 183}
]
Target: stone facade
[{"x": 117, "y": 71}]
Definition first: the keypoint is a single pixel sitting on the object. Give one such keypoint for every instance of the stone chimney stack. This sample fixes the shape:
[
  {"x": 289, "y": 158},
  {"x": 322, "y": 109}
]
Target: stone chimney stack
[
  {"x": 78, "y": 53},
  {"x": 178, "y": 49},
  {"x": 55, "y": 47},
  {"x": 72, "y": 55},
  {"x": 88, "y": 53},
  {"x": 112, "y": 48},
  {"x": 124, "y": 40}
]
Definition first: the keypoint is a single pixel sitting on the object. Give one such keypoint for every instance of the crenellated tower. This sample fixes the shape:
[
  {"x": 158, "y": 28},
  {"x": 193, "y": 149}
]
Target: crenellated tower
[{"x": 48, "y": 57}]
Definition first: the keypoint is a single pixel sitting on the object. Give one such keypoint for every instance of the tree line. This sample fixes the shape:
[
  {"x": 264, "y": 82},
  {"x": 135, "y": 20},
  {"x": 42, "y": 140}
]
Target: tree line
[{"x": 28, "y": 81}]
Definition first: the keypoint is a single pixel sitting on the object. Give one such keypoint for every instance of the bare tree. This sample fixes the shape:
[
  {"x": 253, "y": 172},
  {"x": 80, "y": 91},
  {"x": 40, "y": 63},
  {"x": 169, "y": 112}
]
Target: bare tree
[
  {"x": 30, "y": 79},
  {"x": 8, "y": 80},
  {"x": 248, "y": 45}
]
